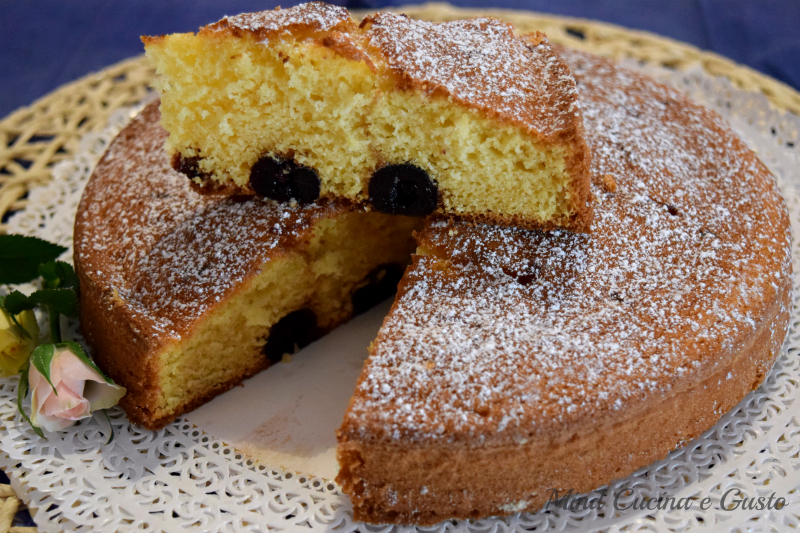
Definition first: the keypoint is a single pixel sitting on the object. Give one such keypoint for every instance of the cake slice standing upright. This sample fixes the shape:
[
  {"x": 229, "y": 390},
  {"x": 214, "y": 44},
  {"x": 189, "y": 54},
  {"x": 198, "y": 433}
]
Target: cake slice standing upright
[{"x": 408, "y": 117}]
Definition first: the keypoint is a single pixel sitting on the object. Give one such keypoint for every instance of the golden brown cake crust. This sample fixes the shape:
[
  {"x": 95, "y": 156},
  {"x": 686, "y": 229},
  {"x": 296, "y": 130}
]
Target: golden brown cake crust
[
  {"x": 504, "y": 345},
  {"x": 311, "y": 18},
  {"x": 136, "y": 251}
]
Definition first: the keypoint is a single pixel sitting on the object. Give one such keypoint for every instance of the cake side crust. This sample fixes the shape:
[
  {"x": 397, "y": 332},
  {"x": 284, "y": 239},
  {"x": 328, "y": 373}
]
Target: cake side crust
[{"x": 427, "y": 484}]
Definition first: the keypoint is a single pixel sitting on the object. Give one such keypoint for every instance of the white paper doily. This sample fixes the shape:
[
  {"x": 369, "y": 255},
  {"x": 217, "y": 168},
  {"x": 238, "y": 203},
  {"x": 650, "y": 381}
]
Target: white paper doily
[{"x": 184, "y": 478}]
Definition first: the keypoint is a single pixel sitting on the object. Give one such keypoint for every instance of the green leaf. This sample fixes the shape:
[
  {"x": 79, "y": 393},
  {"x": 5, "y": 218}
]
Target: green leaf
[
  {"x": 20, "y": 257},
  {"x": 50, "y": 274},
  {"x": 16, "y": 302},
  {"x": 58, "y": 274},
  {"x": 41, "y": 358},
  {"x": 78, "y": 351},
  {"x": 22, "y": 393},
  {"x": 64, "y": 301}
]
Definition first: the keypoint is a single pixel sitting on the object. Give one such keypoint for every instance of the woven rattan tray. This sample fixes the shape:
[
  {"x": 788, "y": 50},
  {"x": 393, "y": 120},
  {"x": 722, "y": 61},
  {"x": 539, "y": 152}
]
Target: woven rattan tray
[{"x": 35, "y": 138}]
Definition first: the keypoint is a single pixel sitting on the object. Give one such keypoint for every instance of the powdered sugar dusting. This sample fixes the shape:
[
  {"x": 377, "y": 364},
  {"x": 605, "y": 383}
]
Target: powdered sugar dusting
[
  {"x": 481, "y": 63},
  {"x": 314, "y": 16},
  {"x": 168, "y": 252},
  {"x": 505, "y": 333}
]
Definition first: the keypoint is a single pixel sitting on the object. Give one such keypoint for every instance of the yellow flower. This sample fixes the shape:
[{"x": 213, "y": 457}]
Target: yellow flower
[{"x": 16, "y": 348}]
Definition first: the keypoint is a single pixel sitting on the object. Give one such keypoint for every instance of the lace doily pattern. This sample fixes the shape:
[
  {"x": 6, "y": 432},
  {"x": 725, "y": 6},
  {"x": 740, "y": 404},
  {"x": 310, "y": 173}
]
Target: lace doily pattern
[{"x": 182, "y": 477}]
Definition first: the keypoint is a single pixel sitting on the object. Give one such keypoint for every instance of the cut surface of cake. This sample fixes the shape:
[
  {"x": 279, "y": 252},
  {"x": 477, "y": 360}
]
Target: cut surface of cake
[
  {"x": 514, "y": 362},
  {"x": 407, "y": 117},
  {"x": 185, "y": 295}
]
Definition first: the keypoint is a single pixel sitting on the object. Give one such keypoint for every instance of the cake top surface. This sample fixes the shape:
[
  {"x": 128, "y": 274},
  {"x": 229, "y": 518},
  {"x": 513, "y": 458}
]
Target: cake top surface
[
  {"x": 500, "y": 334},
  {"x": 310, "y": 17},
  {"x": 481, "y": 63},
  {"x": 169, "y": 252}
]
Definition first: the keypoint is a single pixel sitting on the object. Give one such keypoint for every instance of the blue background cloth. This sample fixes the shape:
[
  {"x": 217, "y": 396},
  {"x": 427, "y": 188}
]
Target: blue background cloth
[{"x": 46, "y": 43}]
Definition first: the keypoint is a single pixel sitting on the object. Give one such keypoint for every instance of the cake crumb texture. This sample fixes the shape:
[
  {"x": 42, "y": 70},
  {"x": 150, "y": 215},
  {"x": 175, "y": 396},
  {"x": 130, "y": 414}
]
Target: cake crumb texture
[{"x": 468, "y": 102}]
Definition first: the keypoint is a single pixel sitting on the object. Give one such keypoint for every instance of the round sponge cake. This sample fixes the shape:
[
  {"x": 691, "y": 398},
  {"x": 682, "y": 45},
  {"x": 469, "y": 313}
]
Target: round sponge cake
[{"x": 513, "y": 361}]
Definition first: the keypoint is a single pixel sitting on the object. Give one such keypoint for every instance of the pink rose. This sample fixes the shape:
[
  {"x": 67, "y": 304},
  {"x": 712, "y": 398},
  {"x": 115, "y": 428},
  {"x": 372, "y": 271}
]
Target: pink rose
[{"x": 81, "y": 389}]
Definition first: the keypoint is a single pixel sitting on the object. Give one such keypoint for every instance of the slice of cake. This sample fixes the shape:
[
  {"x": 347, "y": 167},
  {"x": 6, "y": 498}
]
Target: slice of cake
[
  {"x": 516, "y": 362},
  {"x": 407, "y": 117},
  {"x": 185, "y": 295}
]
